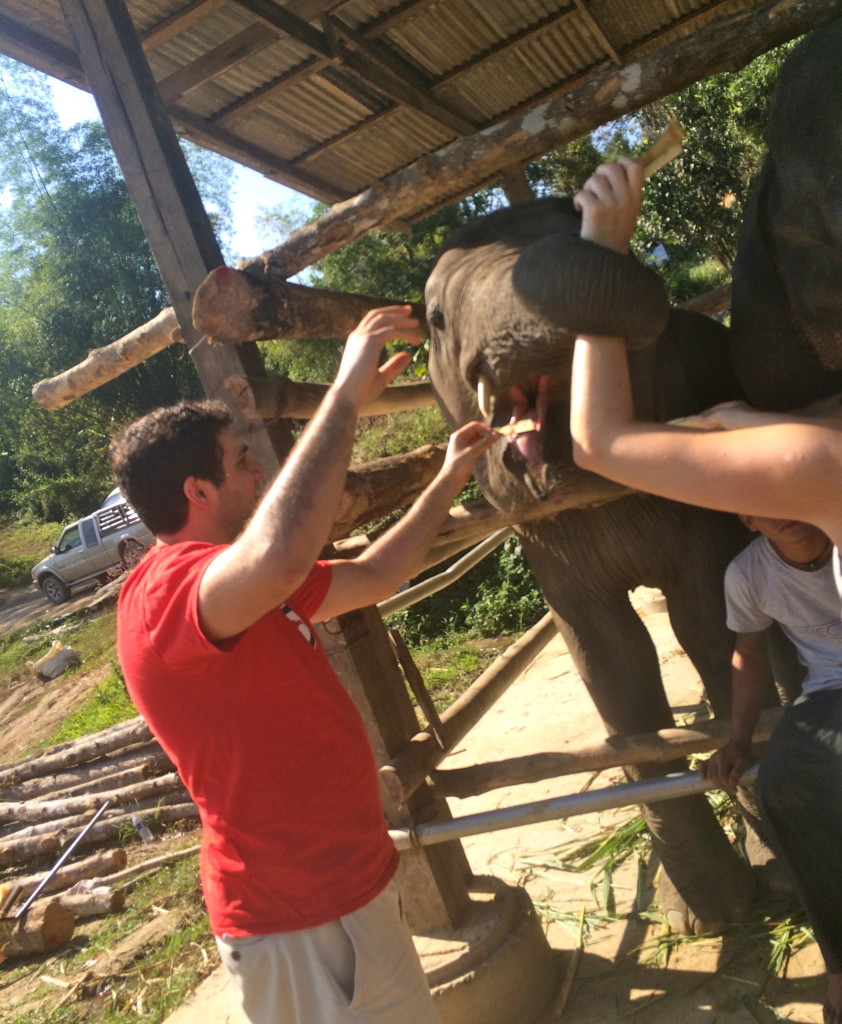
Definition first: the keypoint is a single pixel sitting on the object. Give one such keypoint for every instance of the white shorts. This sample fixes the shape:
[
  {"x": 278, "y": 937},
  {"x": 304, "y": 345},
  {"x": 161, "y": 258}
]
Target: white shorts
[{"x": 361, "y": 968}]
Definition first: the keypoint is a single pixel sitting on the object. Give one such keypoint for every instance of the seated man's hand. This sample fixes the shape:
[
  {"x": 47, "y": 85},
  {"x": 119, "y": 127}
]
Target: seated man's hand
[
  {"x": 359, "y": 373},
  {"x": 464, "y": 448},
  {"x": 727, "y": 766},
  {"x": 609, "y": 202}
]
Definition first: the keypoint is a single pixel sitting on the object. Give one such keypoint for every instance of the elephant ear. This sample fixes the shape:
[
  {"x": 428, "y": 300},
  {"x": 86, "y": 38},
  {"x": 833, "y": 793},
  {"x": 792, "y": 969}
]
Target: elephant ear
[{"x": 588, "y": 289}]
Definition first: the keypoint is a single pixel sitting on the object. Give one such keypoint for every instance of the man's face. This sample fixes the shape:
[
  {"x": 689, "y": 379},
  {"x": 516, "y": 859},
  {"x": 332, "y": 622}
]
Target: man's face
[
  {"x": 242, "y": 484},
  {"x": 783, "y": 531}
]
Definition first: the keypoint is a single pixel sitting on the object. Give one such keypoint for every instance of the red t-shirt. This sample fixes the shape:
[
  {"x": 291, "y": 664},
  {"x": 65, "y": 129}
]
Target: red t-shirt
[{"x": 267, "y": 741}]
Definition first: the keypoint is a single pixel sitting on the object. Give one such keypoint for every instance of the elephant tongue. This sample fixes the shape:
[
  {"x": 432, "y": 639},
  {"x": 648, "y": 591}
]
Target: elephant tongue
[{"x": 528, "y": 445}]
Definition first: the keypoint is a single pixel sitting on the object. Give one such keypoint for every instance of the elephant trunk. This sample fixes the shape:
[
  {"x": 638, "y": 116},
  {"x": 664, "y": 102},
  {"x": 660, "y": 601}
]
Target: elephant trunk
[{"x": 588, "y": 289}]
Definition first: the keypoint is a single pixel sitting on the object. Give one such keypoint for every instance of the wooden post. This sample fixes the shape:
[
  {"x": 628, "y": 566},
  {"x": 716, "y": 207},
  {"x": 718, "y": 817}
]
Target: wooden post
[
  {"x": 168, "y": 204},
  {"x": 433, "y": 880}
]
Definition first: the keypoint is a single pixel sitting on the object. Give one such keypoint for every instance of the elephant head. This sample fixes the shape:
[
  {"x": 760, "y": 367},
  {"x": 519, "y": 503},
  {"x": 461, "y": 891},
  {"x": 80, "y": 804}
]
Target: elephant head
[{"x": 505, "y": 301}]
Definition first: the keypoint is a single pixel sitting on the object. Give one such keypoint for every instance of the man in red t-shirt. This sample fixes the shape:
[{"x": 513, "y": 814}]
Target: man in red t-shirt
[{"x": 218, "y": 652}]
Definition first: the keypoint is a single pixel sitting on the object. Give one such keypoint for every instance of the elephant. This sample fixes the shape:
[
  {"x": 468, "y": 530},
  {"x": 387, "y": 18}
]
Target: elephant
[
  {"x": 488, "y": 347},
  {"x": 504, "y": 301}
]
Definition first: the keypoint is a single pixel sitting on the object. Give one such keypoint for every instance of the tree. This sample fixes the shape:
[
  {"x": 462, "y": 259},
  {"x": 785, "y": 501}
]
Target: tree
[{"x": 75, "y": 273}]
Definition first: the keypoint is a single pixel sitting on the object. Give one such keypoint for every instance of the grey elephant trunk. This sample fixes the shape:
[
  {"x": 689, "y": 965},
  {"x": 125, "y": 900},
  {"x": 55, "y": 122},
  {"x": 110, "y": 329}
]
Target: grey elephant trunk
[{"x": 588, "y": 289}]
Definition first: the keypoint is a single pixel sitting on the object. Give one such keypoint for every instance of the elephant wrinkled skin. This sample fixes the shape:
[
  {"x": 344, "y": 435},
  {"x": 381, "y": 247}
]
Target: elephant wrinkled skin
[{"x": 586, "y": 560}]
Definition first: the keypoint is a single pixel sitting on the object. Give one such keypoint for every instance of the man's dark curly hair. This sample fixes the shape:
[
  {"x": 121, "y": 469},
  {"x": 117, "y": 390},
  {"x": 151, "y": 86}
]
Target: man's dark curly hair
[{"x": 157, "y": 453}]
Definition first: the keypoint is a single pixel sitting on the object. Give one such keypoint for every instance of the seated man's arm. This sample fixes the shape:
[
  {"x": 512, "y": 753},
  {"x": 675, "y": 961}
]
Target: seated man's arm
[
  {"x": 395, "y": 557},
  {"x": 751, "y": 684}
]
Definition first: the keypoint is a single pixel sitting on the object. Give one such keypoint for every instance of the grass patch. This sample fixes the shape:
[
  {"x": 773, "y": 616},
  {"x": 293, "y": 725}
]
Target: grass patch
[
  {"x": 106, "y": 705},
  {"x": 449, "y": 664},
  {"x": 22, "y": 546}
]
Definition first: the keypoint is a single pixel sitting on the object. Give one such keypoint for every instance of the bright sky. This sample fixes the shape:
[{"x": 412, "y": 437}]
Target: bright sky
[{"x": 250, "y": 192}]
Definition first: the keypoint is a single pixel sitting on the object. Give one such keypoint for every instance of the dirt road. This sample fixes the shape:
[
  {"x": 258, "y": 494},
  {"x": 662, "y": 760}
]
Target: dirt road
[{"x": 25, "y": 605}]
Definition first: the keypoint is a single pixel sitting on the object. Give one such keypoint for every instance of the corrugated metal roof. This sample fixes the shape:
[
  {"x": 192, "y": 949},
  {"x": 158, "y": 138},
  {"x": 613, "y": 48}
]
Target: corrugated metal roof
[{"x": 329, "y": 96}]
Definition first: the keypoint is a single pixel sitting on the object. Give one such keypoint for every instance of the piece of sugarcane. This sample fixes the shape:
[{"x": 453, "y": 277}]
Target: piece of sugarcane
[{"x": 665, "y": 148}]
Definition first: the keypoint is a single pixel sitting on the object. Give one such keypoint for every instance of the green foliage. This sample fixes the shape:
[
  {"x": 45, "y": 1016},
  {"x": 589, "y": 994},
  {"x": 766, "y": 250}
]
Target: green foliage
[
  {"x": 76, "y": 273},
  {"x": 496, "y": 597},
  {"x": 21, "y": 546},
  {"x": 694, "y": 206}
]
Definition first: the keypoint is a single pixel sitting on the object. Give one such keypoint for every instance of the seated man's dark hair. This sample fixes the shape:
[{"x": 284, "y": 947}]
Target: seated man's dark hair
[{"x": 157, "y": 453}]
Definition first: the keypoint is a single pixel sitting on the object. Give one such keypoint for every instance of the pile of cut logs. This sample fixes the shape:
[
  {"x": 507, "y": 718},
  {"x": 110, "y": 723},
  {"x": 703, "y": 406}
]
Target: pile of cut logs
[{"x": 46, "y": 805}]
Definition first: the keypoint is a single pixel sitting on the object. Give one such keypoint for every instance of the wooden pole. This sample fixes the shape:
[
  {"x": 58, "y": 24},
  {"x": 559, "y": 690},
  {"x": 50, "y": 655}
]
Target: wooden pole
[
  {"x": 264, "y": 398},
  {"x": 233, "y": 306},
  {"x": 45, "y": 927},
  {"x": 646, "y": 748},
  {"x": 402, "y": 776}
]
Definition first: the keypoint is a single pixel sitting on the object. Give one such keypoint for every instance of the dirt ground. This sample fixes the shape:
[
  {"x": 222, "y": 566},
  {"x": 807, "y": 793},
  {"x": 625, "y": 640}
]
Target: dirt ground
[{"x": 723, "y": 980}]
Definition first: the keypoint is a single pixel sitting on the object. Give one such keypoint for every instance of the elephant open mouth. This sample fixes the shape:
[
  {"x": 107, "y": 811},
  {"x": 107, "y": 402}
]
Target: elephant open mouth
[{"x": 525, "y": 403}]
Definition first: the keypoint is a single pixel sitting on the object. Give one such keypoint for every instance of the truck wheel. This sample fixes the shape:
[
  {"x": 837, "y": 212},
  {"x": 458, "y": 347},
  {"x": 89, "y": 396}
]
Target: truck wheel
[{"x": 54, "y": 590}]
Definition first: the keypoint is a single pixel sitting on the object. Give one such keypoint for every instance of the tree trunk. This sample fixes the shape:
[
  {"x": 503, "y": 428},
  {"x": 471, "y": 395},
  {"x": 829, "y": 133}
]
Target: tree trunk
[
  {"x": 42, "y": 928},
  {"x": 88, "y": 748},
  {"x": 134, "y": 765},
  {"x": 91, "y": 904},
  {"x": 47, "y": 810},
  {"x": 374, "y": 489},
  {"x": 106, "y": 862},
  {"x": 233, "y": 306},
  {"x": 265, "y": 398}
]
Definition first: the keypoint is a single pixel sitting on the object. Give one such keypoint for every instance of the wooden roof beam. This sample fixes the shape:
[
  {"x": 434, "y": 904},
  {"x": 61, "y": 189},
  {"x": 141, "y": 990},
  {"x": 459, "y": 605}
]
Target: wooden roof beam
[
  {"x": 725, "y": 43},
  {"x": 251, "y": 155},
  {"x": 240, "y": 47},
  {"x": 597, "y": 30},
  {"x": 38, "y": 51},
  {"x": 388, "y": 82},
  {"x": 178, "y": 22}
]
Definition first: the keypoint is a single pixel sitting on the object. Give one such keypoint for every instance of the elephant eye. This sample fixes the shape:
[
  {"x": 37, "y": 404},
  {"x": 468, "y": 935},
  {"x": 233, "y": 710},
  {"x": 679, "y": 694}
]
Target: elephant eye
[{"x": 436, "y": 319}]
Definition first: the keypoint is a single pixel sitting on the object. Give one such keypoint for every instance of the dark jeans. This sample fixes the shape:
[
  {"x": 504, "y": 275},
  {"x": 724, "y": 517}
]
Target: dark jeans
[{"x": 799, "y": 791}]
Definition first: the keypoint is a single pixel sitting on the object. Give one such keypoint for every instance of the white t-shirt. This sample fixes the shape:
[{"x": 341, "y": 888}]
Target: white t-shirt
[{"x": 760, "y": 588}]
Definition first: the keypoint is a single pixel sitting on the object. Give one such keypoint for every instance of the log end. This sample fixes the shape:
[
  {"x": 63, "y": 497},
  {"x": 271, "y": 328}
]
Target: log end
[{"x": 222, "y": 304}]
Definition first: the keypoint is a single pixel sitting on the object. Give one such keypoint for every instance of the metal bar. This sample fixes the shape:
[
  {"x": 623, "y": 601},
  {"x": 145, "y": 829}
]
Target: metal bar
[
  {"x": 27, "y": 903},
  {"x": 667, "y": 787},
  {"x": 414, "y": 594}
]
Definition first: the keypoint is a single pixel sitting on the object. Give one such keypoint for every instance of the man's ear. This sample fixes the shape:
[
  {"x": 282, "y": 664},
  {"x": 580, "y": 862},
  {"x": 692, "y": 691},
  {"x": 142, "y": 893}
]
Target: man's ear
[{"x": 198, "y": 491}]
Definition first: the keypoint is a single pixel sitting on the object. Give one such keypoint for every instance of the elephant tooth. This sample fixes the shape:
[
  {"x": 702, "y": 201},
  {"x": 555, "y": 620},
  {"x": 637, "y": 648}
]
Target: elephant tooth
[{"x": 485, "y": 398}]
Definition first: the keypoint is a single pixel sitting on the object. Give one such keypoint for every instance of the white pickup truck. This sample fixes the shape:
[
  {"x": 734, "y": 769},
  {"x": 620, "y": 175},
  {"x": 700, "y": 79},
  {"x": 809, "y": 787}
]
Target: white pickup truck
[{"x": 89, "y": 550}]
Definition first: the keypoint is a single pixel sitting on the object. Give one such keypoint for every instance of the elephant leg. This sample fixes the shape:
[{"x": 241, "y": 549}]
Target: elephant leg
[{"x": 704, "y": 884}]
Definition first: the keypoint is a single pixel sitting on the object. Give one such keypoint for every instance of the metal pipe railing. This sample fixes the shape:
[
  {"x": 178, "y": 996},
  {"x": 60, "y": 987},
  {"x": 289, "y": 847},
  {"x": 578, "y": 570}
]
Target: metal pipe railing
[{"x": 666, "y": 787}]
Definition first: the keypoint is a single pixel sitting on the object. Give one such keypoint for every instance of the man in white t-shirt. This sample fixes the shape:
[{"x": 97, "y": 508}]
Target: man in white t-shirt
[{"x": 786, "y": 576}]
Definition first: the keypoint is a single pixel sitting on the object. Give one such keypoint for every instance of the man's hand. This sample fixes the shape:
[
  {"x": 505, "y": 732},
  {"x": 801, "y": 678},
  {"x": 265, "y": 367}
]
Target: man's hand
[
  {"x": 464, "y": 448},
  {"x": 728, "y": 765},
  {"x": 359, "y": 375},
  {"x": 610, "y": 203}
]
